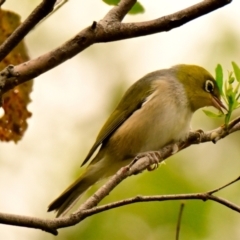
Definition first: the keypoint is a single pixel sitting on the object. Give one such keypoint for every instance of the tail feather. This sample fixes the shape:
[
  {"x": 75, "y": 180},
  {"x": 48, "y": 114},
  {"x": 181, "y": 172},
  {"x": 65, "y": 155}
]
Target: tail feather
[
  {"x": 70, "y": 196},
  {"x": 100, "y": 167}
]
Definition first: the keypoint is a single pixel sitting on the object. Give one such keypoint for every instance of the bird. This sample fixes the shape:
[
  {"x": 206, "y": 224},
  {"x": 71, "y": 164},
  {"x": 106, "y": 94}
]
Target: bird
[{"x": 154, "y": 112}]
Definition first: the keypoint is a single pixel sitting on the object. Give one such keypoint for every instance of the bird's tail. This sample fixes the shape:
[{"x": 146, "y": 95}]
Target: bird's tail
[{"x": 70, "y": 196}]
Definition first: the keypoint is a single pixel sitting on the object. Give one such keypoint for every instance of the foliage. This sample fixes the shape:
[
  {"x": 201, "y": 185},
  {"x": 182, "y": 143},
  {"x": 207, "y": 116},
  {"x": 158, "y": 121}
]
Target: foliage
[
  {"x": 136, "y": 9},
  {"x": 229, "y": 90}
]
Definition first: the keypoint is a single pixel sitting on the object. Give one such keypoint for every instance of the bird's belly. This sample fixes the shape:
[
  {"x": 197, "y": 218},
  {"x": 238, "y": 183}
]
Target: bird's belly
[
  {"x": 162, "y": 132},
  {"x": 149, "y": 133}
]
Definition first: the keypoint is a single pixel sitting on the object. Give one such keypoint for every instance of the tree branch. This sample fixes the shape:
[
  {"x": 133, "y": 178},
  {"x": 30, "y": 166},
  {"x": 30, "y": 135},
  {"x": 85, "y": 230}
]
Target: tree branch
[
  {"x": 51, "y": 226},
  {"x": 106, "y": 30},
  {"x": 161, "y": 198},
  {"x": 26, "y": 221},
  {"x": 162, "y": 24},
  {"x": 35, "y": 17},
  {"x": 145, "y": 162},
  {"x": 89, "y": 207}
]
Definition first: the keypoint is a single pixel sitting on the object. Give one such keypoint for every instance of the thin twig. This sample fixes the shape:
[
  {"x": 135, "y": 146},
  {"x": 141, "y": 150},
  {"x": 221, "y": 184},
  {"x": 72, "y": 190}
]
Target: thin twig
[
  {"x": 104, "y": 32},
  {"x": 2, "y": 2},
  {"x": 141, "y": 165},
  {"x": 159, "y": 198},
  {"x": 179, "y": 220},
  {"x": 51, "y": 226},
  {"x": 224, "y": 186},
  {"x": 57, "y": 6},
  {"x": 42, "y": 10}
]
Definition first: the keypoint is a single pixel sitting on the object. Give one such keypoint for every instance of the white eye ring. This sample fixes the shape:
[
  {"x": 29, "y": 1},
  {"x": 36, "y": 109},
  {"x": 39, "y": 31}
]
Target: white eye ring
[{"x": 209, "y": 86}]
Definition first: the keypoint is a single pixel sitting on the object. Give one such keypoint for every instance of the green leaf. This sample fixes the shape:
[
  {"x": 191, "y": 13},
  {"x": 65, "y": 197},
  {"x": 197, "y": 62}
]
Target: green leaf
[
  {"x": 231, "y": 100},
  {"x": 237, "y": 89},
  {"x": 229, "y": 90},
  {"x": 236, "y": 71},
  {"x": 212, "y": 114},
  {"x": 111, "y": 2},
  {"x": 227, "y": 118},
  {"x": 238, "y": 96},
  {"x": 219, "y": 78},
  {"x": 136, "y": 9},
  {"x": 231, "y": 78}
]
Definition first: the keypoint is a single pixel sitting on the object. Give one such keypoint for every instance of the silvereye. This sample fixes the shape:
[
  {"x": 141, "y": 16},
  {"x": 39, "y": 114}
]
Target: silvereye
[{"x": 154, "y": 112}]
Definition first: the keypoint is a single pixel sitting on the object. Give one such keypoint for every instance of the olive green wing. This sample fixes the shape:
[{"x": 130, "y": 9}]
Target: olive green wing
[{"x": 131, "y": 101}]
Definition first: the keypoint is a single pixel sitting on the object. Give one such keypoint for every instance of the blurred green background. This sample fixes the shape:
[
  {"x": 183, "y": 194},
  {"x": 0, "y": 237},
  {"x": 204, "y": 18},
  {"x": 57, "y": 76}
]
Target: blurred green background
[{"x": 71, "y": 102}]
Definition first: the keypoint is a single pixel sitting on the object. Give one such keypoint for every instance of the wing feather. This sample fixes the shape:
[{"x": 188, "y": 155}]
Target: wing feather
[{"x": 140, "y": 90}]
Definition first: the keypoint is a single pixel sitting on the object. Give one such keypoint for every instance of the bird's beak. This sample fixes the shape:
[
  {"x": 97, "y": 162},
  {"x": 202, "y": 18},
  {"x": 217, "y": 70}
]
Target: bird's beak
[{"x": 217, "y": 103}]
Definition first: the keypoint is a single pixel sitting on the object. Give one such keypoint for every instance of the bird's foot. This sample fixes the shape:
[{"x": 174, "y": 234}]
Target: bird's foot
[
  {"x": 200, "y": 133},
  {"x": 153, "y": 156},
  {"x": 192, "y": 134}
]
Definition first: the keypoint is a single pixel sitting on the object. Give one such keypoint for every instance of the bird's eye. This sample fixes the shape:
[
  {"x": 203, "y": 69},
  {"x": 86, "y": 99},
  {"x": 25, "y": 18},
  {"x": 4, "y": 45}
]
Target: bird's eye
[{"x": 209, "y": 86}]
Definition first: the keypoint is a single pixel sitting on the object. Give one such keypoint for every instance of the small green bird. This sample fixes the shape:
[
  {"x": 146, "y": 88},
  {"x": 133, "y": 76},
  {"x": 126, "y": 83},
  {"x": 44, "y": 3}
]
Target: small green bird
[{"x": 154, "y": 112}]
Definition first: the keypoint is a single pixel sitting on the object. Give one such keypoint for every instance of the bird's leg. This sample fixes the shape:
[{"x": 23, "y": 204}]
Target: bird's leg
[
  {"x": 175, "y": 149},
  {"x": 153, "y": 156}
]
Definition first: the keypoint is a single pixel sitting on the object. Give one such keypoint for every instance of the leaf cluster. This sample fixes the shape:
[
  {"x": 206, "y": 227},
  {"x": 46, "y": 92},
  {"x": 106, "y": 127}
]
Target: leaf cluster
[{"x": 229, "y": 90}]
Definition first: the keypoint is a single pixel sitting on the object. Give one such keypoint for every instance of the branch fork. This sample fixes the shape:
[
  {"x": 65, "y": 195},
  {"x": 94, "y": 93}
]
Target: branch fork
[{"x": 109, "y": 29}]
